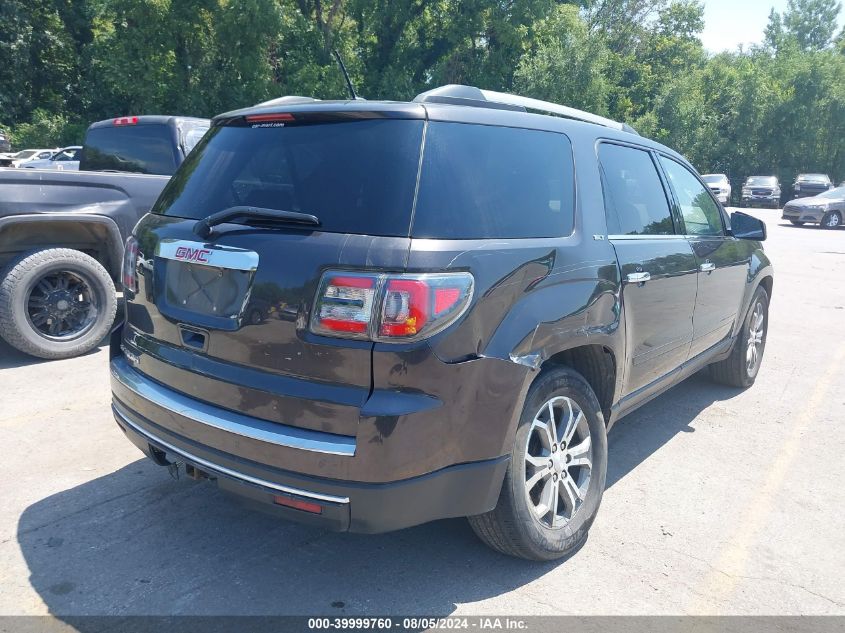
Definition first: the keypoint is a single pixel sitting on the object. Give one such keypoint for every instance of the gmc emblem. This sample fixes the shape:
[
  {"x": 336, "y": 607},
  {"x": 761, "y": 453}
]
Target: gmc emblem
[{"x": 199, "y": 255}]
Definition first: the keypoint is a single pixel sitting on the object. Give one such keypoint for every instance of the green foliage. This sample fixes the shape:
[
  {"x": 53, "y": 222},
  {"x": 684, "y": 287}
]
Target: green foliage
[
  {"x": 46, "y": 130},
  {"x": 777, "y": 108},
  {"x": 812, "y": 22},
  {"x": 564, "y": 64}
]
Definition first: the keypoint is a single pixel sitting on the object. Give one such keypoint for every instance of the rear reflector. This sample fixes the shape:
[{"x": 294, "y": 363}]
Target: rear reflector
[
  {"x": 272, "y": 116},
  {"x": 305, "y": 506},
  {"x": 126, "y": 120}
]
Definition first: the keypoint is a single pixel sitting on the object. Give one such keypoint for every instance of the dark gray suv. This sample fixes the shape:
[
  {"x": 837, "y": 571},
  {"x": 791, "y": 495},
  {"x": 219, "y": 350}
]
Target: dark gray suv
[{"x": 369, "y": 315}]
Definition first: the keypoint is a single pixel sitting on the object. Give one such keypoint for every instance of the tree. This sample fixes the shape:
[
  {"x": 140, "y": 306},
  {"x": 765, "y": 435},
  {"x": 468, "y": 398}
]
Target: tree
[
  {"x": 812, "y": 22},
  {"x": 564, "y": 64}
]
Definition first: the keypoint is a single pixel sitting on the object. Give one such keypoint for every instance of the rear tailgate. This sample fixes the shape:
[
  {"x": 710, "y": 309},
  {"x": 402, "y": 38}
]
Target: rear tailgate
[{"x": 225, "y": 319}]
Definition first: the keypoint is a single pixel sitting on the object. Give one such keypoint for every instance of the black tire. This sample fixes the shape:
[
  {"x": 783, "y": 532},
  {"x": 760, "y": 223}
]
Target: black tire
[
  {"x": 832, "y": 220},
  {"x": 513, "y": 527},
  {"x": 797, "y": 223},
  {"x": 734, "y": 371},
  {"x": 19, "y": 281}
]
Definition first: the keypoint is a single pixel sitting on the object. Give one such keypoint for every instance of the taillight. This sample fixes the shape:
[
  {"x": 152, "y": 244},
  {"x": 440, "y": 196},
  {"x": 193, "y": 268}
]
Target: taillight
[
  {"x": 386, "y": 307},
  {"x": 130, "y": 263},
  {"x": 345, "y": 304},
  {"x": 269, "y": 117},
  {"x": 126, "y": 120}
]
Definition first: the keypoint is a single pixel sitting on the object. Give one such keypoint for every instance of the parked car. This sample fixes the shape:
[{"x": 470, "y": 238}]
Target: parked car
[
  {"x": 720, "y": 186},
  {"x": 808, "y": 185},
  {"x": 469, "y": 319},
  {"x": 5, "y": 144},
  {"x": 761, "y": 191},
  {"x": 826, "y": 209},
  {"x": 62, "y": 232},
  {"x": 22, "y": 157},
  {"x": 65, "y": 159}
]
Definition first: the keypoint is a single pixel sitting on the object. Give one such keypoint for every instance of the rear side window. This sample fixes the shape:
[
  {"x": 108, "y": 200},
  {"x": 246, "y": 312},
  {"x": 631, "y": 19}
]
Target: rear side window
[
  {"x": 144, "y": 149},
  {"x": 356, "y": 177},
  {"x": 482, "y": 181},
  {"x": 634, "y": 198},
  {"x": 701, "y": 214}
]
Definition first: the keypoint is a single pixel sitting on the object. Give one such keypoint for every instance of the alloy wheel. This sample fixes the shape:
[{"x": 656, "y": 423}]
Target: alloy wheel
[
  {"x": 756, "y": 330},
  {"x": 62, "y": 305},
  {"x": 558, "y": 462}
]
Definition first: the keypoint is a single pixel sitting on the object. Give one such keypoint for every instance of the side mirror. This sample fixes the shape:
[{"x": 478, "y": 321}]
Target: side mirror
[{"x": 746, "y": 227}]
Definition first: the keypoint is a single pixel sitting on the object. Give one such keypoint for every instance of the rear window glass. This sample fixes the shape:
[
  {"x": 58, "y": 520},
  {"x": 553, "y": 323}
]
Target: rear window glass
[
  {"x": 482, "y": 181},
  {"x": 356, "y": 177},
  {"x": 144, "y": 149}
]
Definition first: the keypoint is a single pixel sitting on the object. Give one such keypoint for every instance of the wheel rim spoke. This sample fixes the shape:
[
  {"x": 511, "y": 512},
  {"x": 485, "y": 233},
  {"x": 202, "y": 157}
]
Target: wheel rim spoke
[
  {"x": 62, "y": 305},
  {"x": 580, "y": 455},
  {"x": 558, "y": 459}
]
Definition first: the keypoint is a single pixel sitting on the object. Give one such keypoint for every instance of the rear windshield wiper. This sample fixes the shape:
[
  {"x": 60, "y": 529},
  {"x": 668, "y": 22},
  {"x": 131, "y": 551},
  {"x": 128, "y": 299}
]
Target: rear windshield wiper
[{"x": 203, "y": 227}]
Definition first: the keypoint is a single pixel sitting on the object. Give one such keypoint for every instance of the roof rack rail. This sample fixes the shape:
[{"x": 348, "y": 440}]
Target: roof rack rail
[{"x": 457, "y": 94}]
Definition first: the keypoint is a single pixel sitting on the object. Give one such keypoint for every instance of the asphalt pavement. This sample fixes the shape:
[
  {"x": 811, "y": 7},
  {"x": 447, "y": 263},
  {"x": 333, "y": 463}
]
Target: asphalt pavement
[{"x": 719, "y": 501}]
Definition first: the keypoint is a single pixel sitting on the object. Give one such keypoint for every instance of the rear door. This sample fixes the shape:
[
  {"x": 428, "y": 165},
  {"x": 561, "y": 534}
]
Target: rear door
[
  {"x": 658, "y": 265},
  {"x": 224, "y": 318},
  {"x": 722, "y": 260}
]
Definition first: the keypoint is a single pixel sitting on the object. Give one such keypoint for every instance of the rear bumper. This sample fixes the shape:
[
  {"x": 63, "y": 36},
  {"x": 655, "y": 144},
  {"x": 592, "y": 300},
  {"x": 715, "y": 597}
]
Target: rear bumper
[{"x": 246, "y": 456}]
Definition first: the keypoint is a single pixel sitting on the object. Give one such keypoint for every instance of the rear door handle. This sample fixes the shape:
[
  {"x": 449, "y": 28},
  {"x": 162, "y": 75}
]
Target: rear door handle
[
  {"x": 638, "y": 278},
  {"x": 707, "y": 267}
]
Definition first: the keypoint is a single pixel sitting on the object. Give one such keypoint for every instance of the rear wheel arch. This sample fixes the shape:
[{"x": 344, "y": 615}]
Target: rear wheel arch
[
  {"x": 95, "y": 235},
  {"x": 597, "y": 364}
]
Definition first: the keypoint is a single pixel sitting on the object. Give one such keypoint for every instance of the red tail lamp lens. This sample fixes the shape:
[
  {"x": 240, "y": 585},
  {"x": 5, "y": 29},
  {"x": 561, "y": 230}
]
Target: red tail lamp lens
[
  {"x": 389, "y": 306},
  {"x": 126, "y": 120},
  {"x": 345, "y": 304},
  {"x": 405, "y": 308}
]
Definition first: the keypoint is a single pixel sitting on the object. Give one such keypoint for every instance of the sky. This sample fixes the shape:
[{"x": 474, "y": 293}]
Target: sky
[{"x": 729, "y": 23}]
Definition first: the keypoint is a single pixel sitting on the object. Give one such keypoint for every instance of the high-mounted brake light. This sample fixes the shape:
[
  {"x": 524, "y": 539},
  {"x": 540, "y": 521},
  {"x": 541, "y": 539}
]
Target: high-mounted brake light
[
  {"x": 130, "y": 263},
  {"x": 126, "y": 120},
  {"x": 385, "y": 307},
  {"x": 271, "y": 116}
]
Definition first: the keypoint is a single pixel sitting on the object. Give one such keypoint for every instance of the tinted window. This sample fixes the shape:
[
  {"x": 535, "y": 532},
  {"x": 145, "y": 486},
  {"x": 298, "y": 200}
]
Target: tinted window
[
  {"x": 482, "y": 181},
  {"x": 814, "y": 178},
  {"x": 145, "y": 149},
  {"x": 701, "y": 214},
  {"x": 356, "y": 177},
  {"x": 635, "y": 202}
]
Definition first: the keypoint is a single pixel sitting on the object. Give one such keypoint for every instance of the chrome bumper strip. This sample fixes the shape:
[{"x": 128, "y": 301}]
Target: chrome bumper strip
[
  {"x": 217, "y": 468},
  {"x": 229, "y": 421}
]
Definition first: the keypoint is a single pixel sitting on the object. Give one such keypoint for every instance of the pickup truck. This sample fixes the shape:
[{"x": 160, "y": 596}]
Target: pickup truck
[{"x": 62, "y": 232}]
